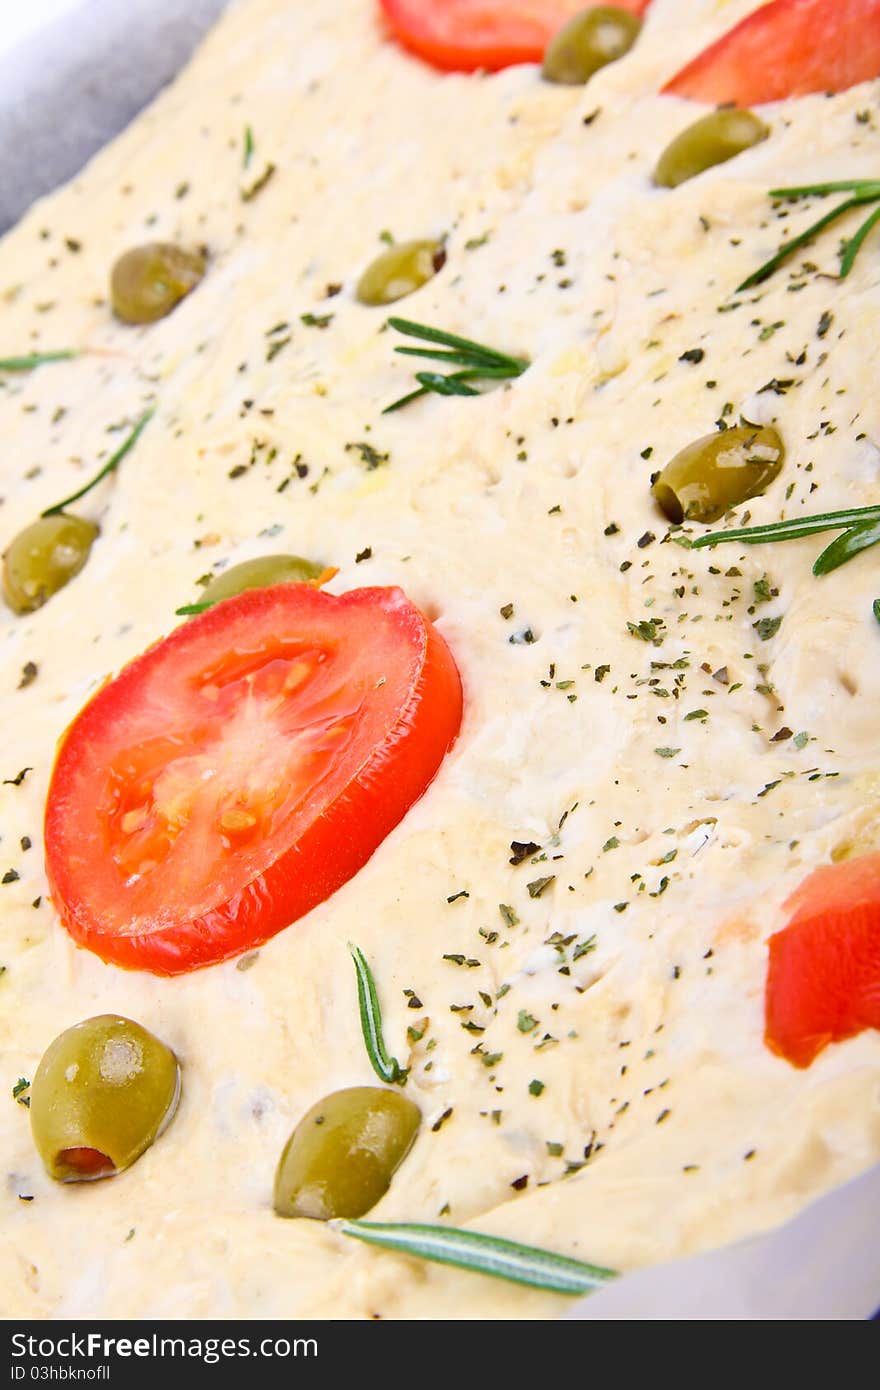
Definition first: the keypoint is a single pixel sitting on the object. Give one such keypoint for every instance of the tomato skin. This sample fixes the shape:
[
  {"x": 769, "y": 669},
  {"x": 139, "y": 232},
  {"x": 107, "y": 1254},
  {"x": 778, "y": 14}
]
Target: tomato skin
[
  {"x": 473, "y": 35},
  {"x": 788, "y": 48},
  {"x": 334, "y": 843},
  {"x": 823, "y": 976}
]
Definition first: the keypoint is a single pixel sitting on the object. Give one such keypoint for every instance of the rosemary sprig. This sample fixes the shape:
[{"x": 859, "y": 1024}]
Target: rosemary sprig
[
  {"x": 791, "y": 530},
  {"x": 31, "y": 360},
  {"x": 479, "y": 363},
  {"x": 109, "y": 467},
  {"x": 862, "y": 191},
  {"x": 482, "y": 1254},
  {"x": 860, "y": 527},
  {"x": 386, "y": 1068}
]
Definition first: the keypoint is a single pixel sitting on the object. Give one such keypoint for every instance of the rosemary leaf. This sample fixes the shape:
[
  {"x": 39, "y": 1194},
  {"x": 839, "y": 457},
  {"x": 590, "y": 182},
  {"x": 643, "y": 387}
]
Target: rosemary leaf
[
  {"x": 387, "y": 1068},
  {"x": 109, "y": 467},
  {"x": 791, "y": 530},
  {"x": 868, "y": 187},
  {"x": 451, "y": 340},
  {"x": 190, "y": 609},
  {"x": 876, "y": 609},
  {"x": 450, "y": 385},
  {"x": 844, "y": 547},
  {"x": 766, "y": 270},
  {"x": 487, "y": 373},
  {"x": 854, "y": 245},
  {"x": 35, "y": 359},
  {"x": 405, "y": 400},
  {"x": 454, "y": 358},
  {"x": 482, "y": 1254},
  {"x": 248, "y": 151}
]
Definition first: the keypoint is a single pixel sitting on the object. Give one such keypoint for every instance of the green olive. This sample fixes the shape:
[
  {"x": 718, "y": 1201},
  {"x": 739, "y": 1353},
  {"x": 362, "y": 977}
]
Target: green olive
[
  {"x": 103, "y": 1093},
  {"x": 403, "y": 268},
  {"x": 587, "y": 42},
  {"x": 710, "y": 140},
  {"x": 343, "y": 1153},
  {"x": 43, "y": 558},
  {"x": 147, "y": 282},
  {"x": 260, "y": 574},
  {"x": 718, "y": 472}
]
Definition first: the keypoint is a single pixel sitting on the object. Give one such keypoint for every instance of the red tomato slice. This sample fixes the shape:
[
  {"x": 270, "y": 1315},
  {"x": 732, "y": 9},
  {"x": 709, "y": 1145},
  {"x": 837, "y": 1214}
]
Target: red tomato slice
[
  {"x": 464, "y": 35},
  {"x": 787, "y": 49},
  {"x": 242, "y": 770},
  {"x": 823, "y": 979}
]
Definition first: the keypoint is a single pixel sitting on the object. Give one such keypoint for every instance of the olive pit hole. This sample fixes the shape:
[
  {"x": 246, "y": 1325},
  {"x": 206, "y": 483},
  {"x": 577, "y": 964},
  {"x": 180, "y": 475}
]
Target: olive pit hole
[
  {"x": 85, "y": 1163},
  {"x": 669, "y": 503}
]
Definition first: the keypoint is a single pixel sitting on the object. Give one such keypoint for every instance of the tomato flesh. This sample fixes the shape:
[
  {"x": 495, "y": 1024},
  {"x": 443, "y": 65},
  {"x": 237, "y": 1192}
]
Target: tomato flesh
[
  {"x": 467, "y": 35},
  {"x": 823, "y": 977},
  {"x": 787, "y": 49},
  {"x": 242, "y": 770}
]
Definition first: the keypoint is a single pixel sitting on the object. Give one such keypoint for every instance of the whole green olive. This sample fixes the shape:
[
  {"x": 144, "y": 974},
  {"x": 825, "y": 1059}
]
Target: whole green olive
[
  {"x": 711, "y": 140},
  {"x": 260, "y": 573},
  {"x": 719, "y": 471},
  {"x": 147, "y": 282},
  {"x": 343, "y": 1153},
  {"x": 403, "y": 268},
  {"x": 43, "y": 558},
  {"x": 102, "y": 1094},
  {"x": 589, "y": 40}
]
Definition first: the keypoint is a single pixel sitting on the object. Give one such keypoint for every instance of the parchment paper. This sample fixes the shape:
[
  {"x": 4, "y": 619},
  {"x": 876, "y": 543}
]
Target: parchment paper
[{"x": 74, "y": 84}]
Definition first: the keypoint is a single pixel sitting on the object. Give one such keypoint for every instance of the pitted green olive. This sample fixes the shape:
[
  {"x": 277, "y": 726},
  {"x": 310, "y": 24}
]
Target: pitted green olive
[
  {"x": 260, "y": 573},
  {"x": 718, "y": 472},
  {"x": 103, "y": 1093},
  {"x": 149, "y": 281},
  {"x": 587, "y": 42},
  {"x": 711, "y": 140},
  {"x": 43, "y": 558},
  {"x": 342, "y": 1155},
  {"x": 403, "y": 268}
]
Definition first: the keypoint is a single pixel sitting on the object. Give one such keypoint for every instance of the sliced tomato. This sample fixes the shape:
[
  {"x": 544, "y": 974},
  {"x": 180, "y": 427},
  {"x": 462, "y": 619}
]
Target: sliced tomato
[
  {"x": 787, "y": 49},
  {"x": 465, "y": 35},
  {"x": 823, "y": 978},
  {"x": 242, "y": 770}
]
